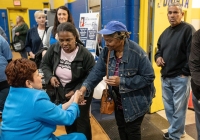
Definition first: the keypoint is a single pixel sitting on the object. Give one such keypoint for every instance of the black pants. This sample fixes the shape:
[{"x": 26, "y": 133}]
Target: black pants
[
  {"x": 130, "y": 130},
  {"x": 82, "y": 123}
]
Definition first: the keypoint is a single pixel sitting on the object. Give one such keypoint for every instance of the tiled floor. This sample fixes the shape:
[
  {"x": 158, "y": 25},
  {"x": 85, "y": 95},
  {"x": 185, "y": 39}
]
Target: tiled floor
[
  {"x": 190, "y": 120},
  {"x": 153, "y": 126}
]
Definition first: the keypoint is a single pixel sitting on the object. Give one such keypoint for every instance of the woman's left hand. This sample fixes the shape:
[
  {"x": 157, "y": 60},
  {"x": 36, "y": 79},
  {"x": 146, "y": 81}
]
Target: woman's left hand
[
  {"x": 17, "y": 33},
  {"x": 113, "y": 81}
]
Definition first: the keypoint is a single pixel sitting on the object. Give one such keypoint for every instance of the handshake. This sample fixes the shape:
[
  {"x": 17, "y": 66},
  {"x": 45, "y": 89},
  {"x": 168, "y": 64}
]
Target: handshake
[{"x": 77, "y": 97}]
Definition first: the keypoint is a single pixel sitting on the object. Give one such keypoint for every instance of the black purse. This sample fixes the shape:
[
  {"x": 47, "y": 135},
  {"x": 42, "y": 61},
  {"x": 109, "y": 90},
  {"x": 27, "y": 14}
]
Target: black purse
[
  {"x": 53, "y": 94},
  {"x": 18, "y": 46}
]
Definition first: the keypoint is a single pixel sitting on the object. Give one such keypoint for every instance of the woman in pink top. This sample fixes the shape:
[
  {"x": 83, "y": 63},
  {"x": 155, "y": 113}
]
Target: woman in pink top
[{"x": 66, "y": 64}]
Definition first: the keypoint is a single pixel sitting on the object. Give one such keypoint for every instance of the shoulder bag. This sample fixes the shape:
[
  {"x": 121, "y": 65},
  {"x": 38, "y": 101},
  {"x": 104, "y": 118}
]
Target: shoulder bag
[
  {"x": 18, "y": 46},
  {"x": 107, "y": 102}
]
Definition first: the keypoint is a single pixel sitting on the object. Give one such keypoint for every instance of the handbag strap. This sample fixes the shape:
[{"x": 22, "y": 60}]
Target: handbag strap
[
  {"x": 42, "y": 39},
  {"x": 108, "y": 57},
  {"x": 57, "y": 101},
  {"x": 43, "y": 35}
]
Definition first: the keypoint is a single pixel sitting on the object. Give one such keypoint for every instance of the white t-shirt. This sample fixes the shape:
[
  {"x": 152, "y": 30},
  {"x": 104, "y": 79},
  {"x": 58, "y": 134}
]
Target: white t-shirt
[
  {"x": 63, "y": 71},
  {"x": 41, "y": 32}
]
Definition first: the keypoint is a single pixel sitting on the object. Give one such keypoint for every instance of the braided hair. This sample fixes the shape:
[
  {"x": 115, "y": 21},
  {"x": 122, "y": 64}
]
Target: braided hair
[{"x": 121, "y": 35}]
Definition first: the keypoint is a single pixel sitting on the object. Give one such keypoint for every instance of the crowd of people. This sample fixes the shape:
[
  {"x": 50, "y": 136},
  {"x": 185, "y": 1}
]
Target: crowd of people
[{"x": 70, "y": 69}]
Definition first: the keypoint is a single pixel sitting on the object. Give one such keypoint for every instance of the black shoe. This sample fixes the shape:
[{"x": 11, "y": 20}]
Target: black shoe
[{"x": 166, "y": 136}]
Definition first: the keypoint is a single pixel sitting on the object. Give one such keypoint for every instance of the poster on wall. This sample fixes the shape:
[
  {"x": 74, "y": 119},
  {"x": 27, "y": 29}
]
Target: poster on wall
[
  {"x": 88, "y": 28},
  {"x": 195, "y": 3}
]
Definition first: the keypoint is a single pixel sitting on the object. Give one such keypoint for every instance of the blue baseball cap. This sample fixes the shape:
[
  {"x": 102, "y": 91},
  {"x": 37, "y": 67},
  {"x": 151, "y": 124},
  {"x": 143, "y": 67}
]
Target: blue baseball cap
[{"x": 112, "y": 27}]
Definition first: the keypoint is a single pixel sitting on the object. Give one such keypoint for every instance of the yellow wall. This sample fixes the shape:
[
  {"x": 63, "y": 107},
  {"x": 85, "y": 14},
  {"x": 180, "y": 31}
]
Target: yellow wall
[
  {"x": 58, "y": 3},
  {"x": 143, "y": 24},
  {"x": 196, "y": 14}
]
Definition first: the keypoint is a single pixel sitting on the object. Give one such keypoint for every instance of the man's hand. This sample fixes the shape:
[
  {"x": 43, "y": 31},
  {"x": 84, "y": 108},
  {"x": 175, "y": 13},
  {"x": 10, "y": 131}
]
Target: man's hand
[
  {"x": 54, "y": 82},
  {"x": 160, "y": 62},
  {"x": 113, "y": 81}
]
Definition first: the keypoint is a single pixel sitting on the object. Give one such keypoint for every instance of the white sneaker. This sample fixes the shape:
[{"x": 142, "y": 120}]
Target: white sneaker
[{"x": 183, "y": 135}]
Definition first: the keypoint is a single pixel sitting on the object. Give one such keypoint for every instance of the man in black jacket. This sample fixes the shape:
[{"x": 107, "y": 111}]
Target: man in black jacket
[
  {"x": 194, "y": 64},
  {"x": 172, "y": 56}
]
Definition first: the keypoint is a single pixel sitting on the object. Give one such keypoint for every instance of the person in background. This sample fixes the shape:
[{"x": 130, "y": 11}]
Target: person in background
[
  {"x": 36, "y": 36},
  {"x": 94, "y": 26},
  {"x": 62, "y": 15},
  {"x": 2, "y": 33},
  {"x": 20, "y": 33},
  {"x": 194, "y": 63},
  {"x": 36, "y": 115},
  {"x": 172, "y": 56},
  {"x": 65, "y": 65},
  {"x": 82, "y": 22},
  {"x": 5, "y": 58},
  {"x": 130, "y": 80}
]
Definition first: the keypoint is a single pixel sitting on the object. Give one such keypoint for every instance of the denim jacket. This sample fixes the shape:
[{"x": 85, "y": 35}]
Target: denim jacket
[{"x": 136, "y": 79}]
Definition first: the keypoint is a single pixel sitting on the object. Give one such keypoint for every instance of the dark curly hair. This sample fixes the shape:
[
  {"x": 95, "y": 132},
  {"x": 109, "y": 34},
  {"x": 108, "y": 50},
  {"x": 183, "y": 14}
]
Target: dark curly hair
[
  {"x": 56, "y": 22},
  {"x": 20, "y": 70}
]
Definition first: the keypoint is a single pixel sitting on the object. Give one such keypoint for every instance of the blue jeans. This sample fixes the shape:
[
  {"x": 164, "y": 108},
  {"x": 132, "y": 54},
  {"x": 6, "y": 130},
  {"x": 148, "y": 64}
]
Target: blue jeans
[
  {"x": 3, "y": 96},
  {"x": 175, "y": 94}
]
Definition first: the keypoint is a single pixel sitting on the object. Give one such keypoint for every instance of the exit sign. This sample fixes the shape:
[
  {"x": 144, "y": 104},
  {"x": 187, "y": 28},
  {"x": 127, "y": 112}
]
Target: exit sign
[{"x": 17, "y": 2}]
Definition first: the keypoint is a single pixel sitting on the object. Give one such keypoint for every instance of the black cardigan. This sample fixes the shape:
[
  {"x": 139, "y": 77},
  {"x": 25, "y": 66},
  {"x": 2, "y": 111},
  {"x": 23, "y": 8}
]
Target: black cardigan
[{"x": 33, "y": 40}]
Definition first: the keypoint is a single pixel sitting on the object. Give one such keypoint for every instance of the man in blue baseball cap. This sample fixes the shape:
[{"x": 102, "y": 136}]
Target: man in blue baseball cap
[{"x": 130, "y": 80}]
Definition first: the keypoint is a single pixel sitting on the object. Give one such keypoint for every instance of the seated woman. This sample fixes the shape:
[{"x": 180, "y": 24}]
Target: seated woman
[{"x": 28, "y": 113}]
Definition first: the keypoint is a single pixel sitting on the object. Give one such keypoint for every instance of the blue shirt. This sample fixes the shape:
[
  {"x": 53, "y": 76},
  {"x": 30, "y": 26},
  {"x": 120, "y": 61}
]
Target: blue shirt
[
  {"x": 30, "y": 115},
  {"x": 5, "y": 54},
  {"x": 52, "y": 40}
]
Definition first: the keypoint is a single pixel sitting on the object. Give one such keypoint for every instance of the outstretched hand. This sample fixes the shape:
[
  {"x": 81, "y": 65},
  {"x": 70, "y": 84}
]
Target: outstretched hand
[{"x": 79, "y": 98}]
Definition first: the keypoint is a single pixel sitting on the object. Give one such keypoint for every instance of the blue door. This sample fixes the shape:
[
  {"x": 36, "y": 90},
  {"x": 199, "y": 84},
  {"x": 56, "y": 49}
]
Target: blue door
[
  {"x": 4, "y": 22},
  {"x": 33, "y": 23}
]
